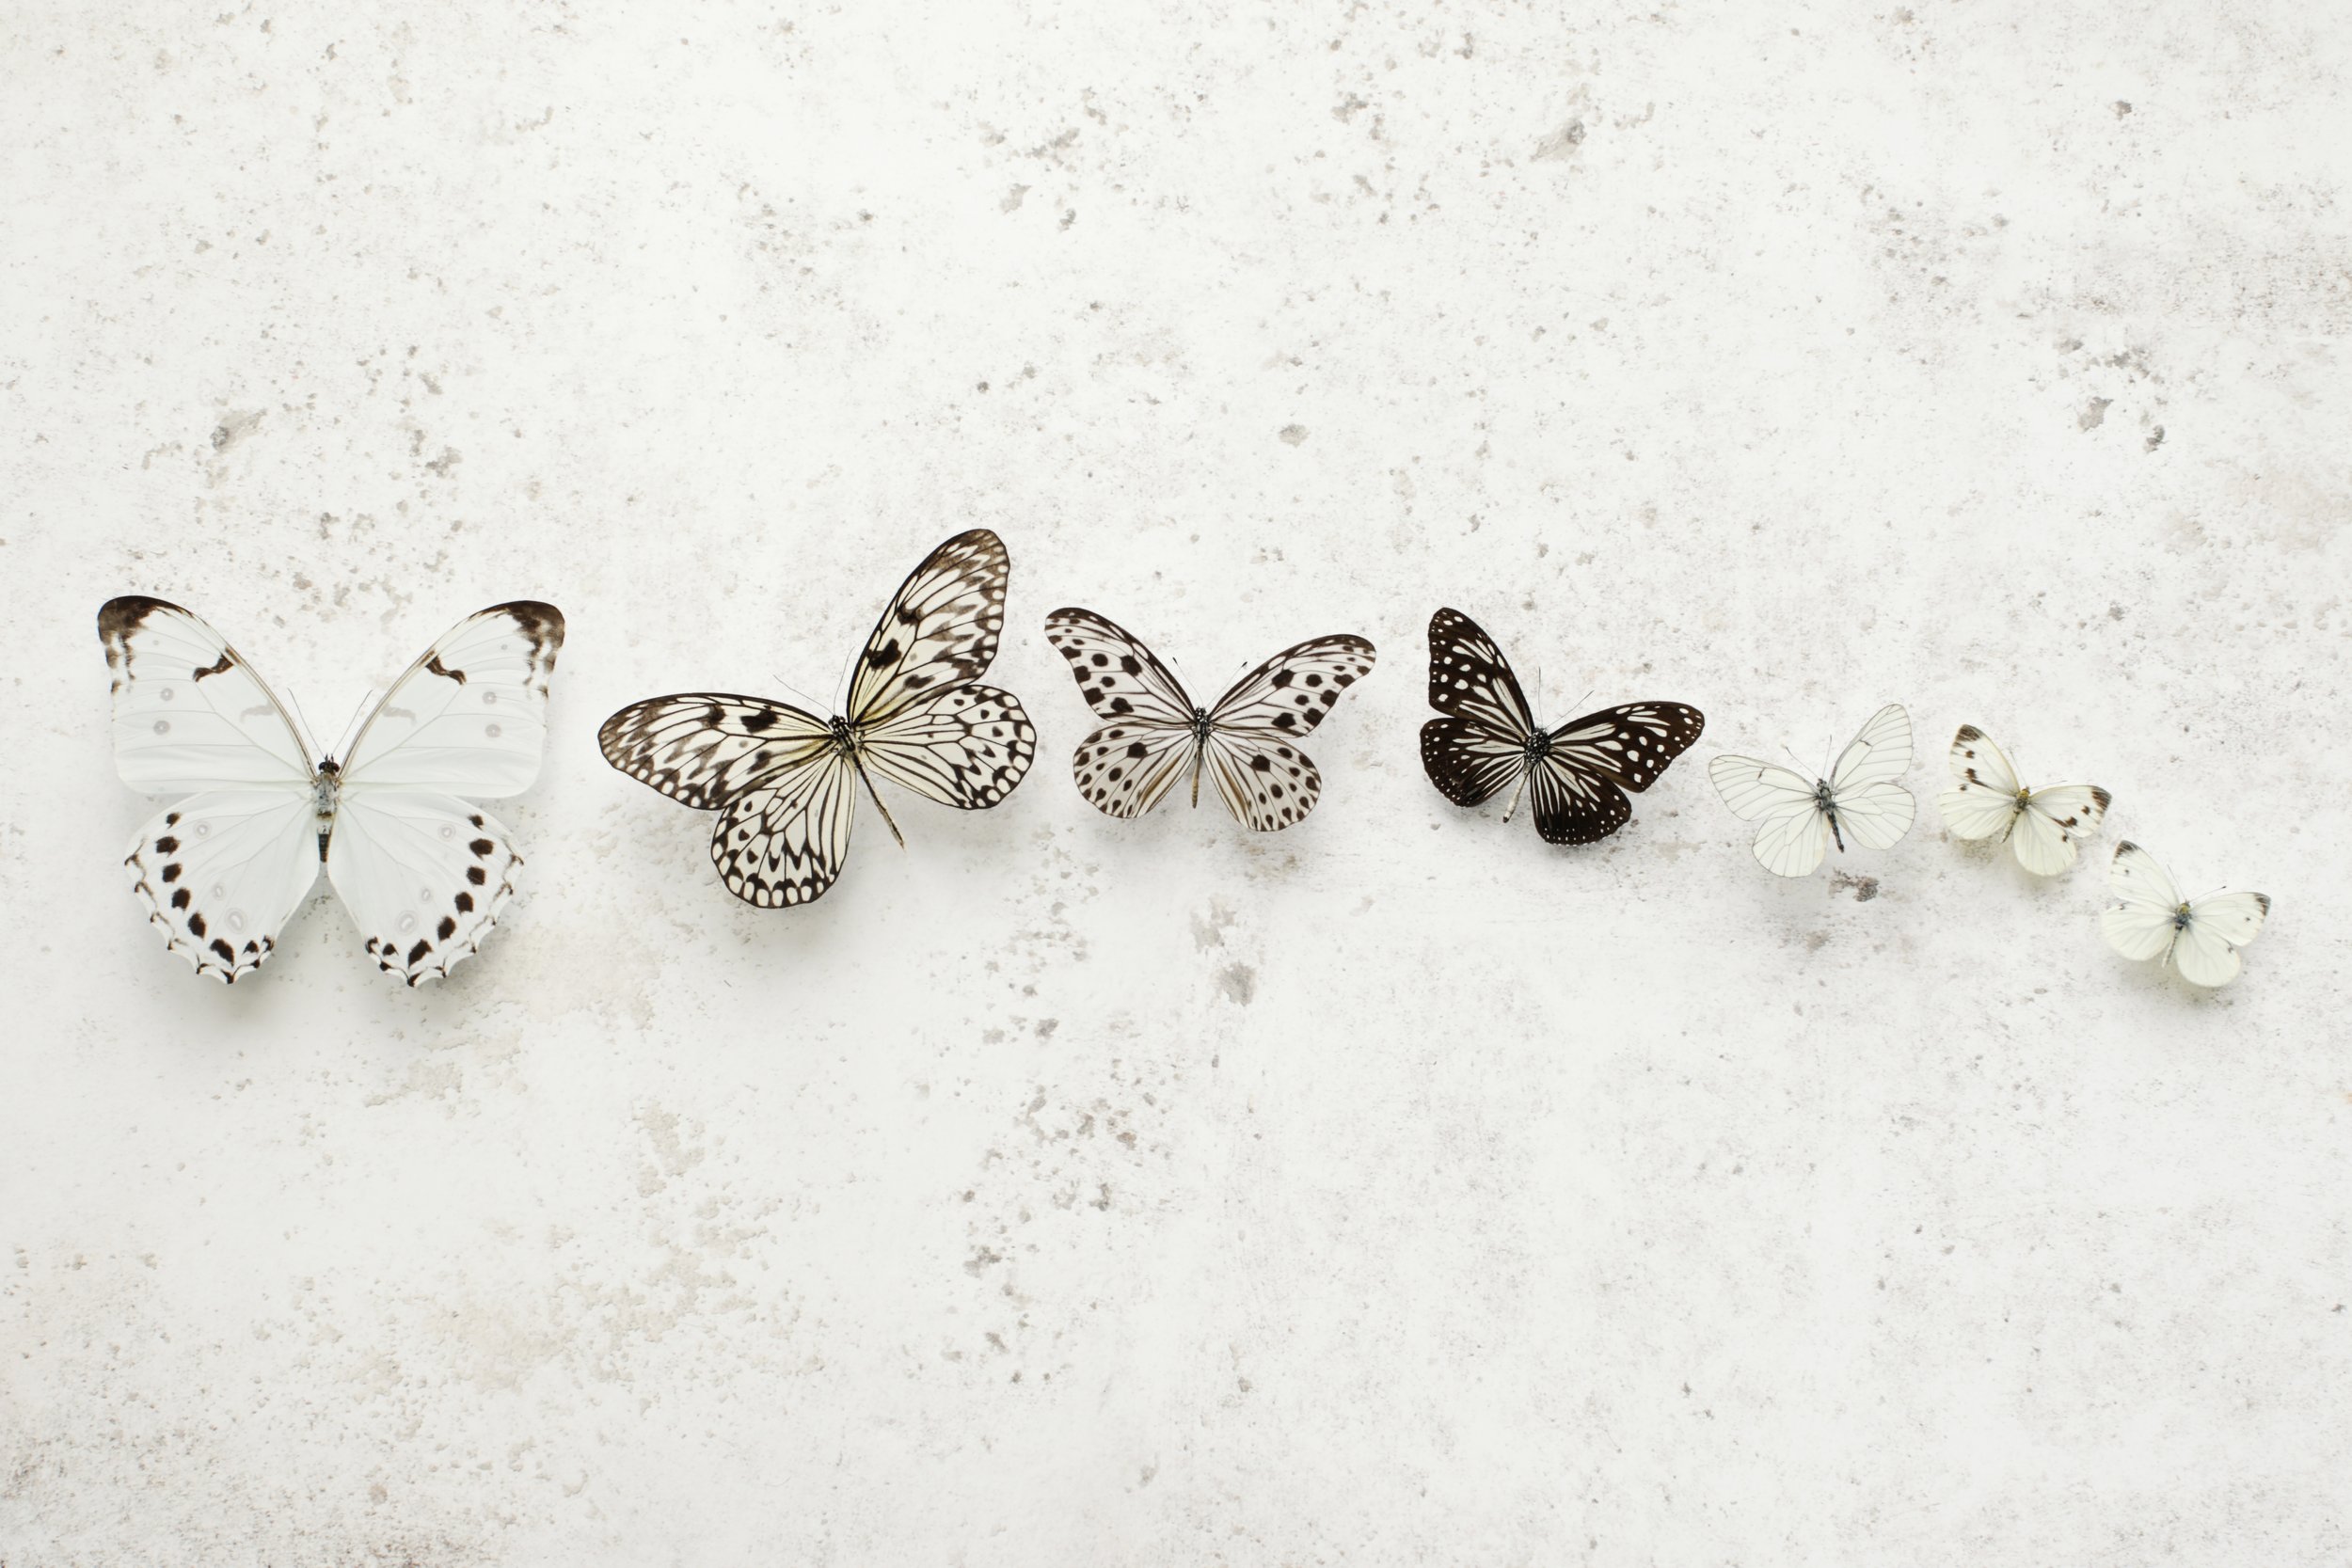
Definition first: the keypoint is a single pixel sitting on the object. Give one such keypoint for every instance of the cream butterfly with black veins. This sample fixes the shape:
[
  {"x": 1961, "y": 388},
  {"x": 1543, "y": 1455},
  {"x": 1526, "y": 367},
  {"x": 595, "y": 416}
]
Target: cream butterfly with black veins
[
  {"x": 1860, "y": 796},
  {"x": 1577, "y": 773},
  {"x": 2150, "y": 919},
  {"x": 1245, "y": 741},
  {"x": 784, "y": 782},
  {"x": 1987, "y": 800},
  {"x": 423, "y": 873}
]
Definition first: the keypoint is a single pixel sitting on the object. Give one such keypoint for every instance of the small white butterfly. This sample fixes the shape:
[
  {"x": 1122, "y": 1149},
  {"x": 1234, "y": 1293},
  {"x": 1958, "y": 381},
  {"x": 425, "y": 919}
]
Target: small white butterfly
[
  {"x": 2041, "y": 825},
  {"x": 2150, "y": 919},
  {"x": 423, "y": 873},
  {"x": 1860, "y": 796}
]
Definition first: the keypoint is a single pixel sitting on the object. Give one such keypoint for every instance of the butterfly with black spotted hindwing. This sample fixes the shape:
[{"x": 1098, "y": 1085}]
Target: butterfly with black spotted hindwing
[
  {"x": 1487, "y": 739},
  {"x": 1245, "y": 741},
  {"x": 423, "y": 873},
  {"x": 784, "y": 781},
  {"x": 2150, "y": 919}
]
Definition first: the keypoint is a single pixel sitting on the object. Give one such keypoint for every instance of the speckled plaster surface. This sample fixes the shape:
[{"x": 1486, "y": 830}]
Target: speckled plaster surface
[{"x": 1064, "y": 1191}]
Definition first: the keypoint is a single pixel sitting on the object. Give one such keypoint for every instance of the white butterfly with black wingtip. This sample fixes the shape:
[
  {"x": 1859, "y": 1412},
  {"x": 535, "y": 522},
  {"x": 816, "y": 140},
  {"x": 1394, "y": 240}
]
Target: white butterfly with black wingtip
[
  {"x": 423, "y": 873},
  {"x": 1860, "y": 796},
  {"x": 1988, "y": 799},
  {"x": 2150, "y": 919}
]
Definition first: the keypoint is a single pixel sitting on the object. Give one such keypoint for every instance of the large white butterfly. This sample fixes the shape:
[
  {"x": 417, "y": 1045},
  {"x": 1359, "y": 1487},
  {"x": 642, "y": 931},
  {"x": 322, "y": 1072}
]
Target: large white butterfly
[
  {"x": 1156, "y": 733},
  {"x": 2150, "y": 919},
  {"x": 1987, "y": 799},
  {"x": 784, "y": 781},
  {"x": 1860, "y": 796},
  {"x": 423, "y": 873}
]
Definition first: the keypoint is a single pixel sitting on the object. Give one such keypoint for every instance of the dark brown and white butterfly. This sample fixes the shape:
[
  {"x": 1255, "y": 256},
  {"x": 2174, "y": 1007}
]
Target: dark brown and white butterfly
[
  {"x": 423, "y": 873},
  {"x": 1577, "y": 773},
  {"x": 1245, "y": 741},
  {"x": 784, "y": 782}
]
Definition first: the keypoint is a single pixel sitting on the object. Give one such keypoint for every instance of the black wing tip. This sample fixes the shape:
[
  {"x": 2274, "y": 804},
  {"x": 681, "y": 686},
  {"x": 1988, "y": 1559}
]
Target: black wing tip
[
  {"x": 539, "y": 619},
  {"x": 1966, "y": 735},
  {"x": 2122, "y": 847},
  {"x": 119, "y": 617},
  {"x": 2102, "y": 796},
  {"x": 2264, "y": 899}
]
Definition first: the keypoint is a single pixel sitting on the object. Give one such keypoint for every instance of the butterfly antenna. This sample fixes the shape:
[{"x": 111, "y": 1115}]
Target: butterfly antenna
[
  {"x": 813, "y": 705},
  {"x": 342, "y": 744},
  {"x": 309, "y": 735},
  {"x": 879, "y": 806}
]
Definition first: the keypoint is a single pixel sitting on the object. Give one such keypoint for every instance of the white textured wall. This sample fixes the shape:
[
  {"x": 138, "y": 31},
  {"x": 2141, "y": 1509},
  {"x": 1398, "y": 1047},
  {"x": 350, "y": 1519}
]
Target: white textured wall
[{"x": 1060, "y": 1192}]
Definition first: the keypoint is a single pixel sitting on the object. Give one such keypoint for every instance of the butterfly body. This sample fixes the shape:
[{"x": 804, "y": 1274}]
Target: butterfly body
[
  {"x": 781, "y": 778},
  {"x": 1156, "y": 733},
  {"x": 1861, "y": 797},
  {"x": 423, "y": 873},
  {"x": 1488, "y": 740}
]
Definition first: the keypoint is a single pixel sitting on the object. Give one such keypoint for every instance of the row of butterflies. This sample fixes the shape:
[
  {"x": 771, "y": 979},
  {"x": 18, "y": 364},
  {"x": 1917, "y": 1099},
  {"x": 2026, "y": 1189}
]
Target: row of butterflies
[{"x": 426, "y": 874}]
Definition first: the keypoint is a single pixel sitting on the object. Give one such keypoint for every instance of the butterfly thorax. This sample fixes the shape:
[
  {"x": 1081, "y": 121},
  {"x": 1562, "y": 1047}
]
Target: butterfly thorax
[
  {"x": 326, "y": 792},
  {"x": 1538, "y": 745},
  {"x": 2180, "y": 918},
  {"x": 1201, "y": 726},
  {"x": 846, "y": 737}
]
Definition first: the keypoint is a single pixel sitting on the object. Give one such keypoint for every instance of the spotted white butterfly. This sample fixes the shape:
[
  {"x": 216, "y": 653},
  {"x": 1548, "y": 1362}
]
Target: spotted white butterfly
[
  {"x": 1988, "y": 799},
  {"x": 784, "y": 781},
  {"x": 423, "y": 873},
  {"x": 1489, "y": 738},
  {"x": 2150, "y": 919},
  {"x": 1860, "y": 796},
  {"x": 1246, "y": 741}
]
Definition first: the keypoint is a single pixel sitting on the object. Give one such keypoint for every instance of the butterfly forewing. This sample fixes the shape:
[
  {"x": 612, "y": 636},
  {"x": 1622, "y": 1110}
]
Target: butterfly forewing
[
  {"x": 2052, "y": 822},
  {"x": 1983, "y": 801},
  {"x": 1120, "y": 678},
  {"x": 702, "y": 749},
  {"x": 189, "y": 713},
  {"x": 1629, "y": 745},
  {"x": 1470, "y": 679},
  {"x": 471, "y": 716},
  {"x": 1292, "y": 692},
  {"x": 940, "y": 628}
]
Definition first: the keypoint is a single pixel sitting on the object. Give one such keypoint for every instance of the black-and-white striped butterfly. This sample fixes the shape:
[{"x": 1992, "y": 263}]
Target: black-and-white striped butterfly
[
  {"x": 1246, "y": 741},
  {"x": 1577, "y": 773},
  {"x": 784, "y": 782},
  {"x": 424, "y": 872}
]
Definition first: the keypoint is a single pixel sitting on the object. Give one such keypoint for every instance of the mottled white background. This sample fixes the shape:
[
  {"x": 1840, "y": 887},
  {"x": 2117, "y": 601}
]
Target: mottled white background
[{"x": 1062, "y": 1192}]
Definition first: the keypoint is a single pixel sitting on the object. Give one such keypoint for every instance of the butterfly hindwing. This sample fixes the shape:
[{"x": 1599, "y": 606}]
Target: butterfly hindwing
[
  {"x": 2053, "y": 821},
  {"x": 1469, "y": 762},
  {"x": 1264, "y": 781},
  {"x": 1983, "y": 801},
  {"x": 424, "y": 877},
  {"x": 1123, "y": 768},
  {"x": 221, "y": 873},
  {"x": 967, "y": 747},
  {"x": 784, "y": 842}
]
